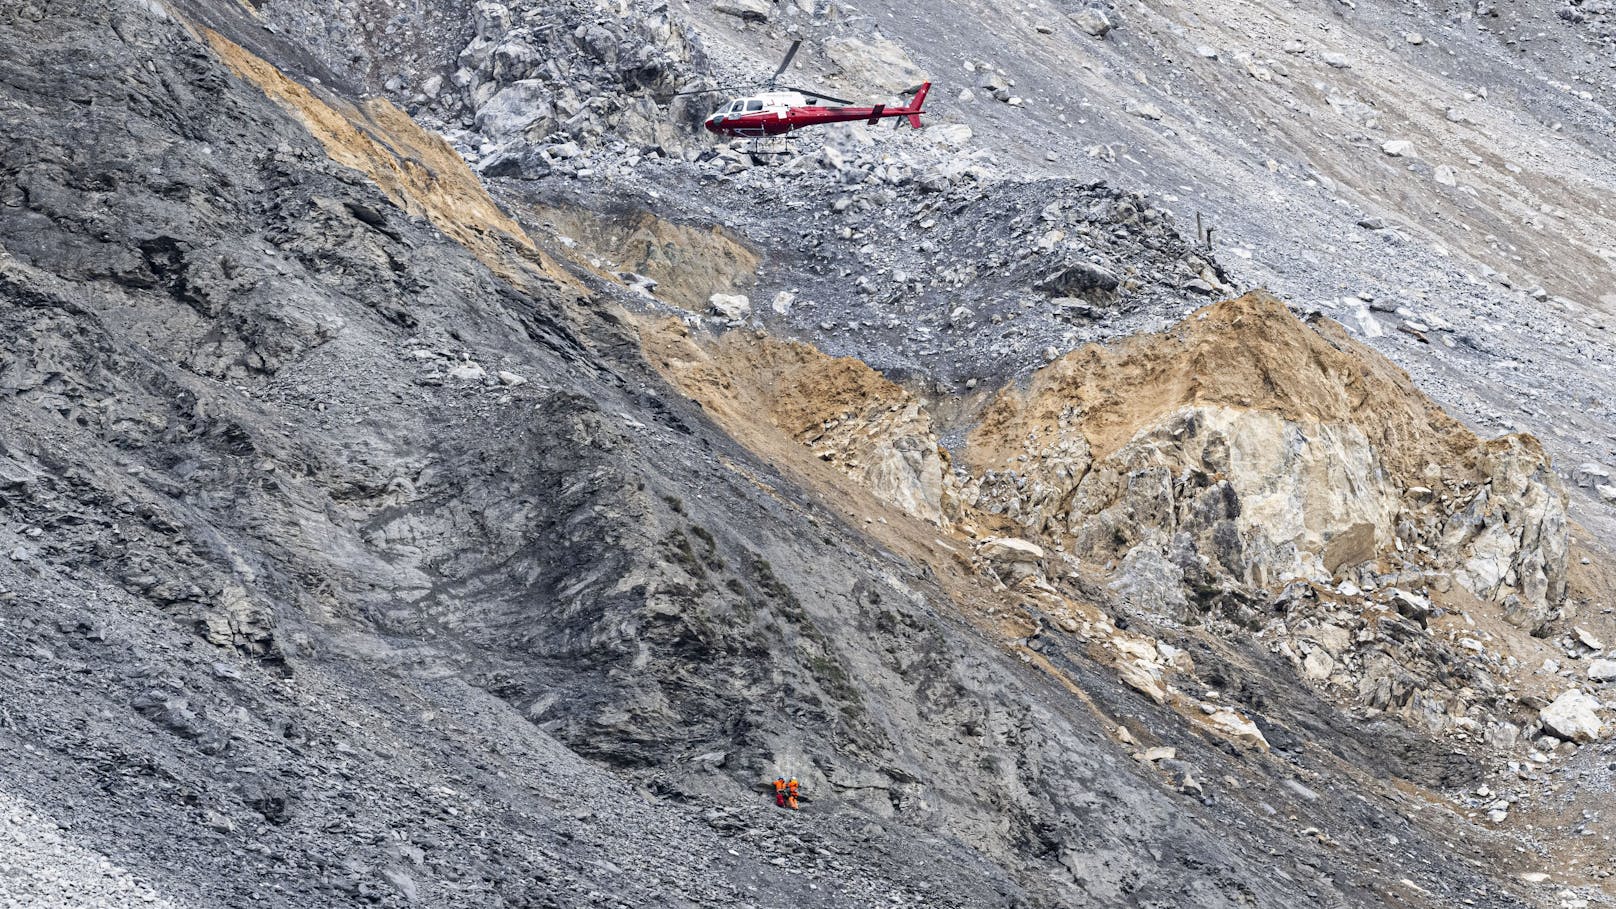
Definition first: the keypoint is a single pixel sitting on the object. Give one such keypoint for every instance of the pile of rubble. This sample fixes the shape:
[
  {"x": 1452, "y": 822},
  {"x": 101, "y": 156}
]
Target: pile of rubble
[
  {"x": 1248, "y": 473},
  {"x": 919, "y": 260},
  {"x": 539, "y": 83}
]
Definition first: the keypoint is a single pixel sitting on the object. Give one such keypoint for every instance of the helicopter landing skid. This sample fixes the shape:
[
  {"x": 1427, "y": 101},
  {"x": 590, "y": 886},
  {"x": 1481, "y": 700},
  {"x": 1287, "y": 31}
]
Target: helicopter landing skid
[{"x": 761, "y": 149}]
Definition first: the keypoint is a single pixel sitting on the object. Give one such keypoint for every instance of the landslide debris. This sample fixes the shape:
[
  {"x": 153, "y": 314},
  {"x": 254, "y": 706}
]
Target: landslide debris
[
  {"x": 417, "y": 170},
  {"x": 1245, "y": 469},
  {"x": 1323, "y": 454},
  {"x": 773, "y": 395},
  {"x": 918, "y": 262}
]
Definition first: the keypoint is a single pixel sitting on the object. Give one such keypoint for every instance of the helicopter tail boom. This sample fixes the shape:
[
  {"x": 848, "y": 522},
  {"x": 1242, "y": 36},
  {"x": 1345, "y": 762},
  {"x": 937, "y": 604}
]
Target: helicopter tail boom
[{"x": 913, "y": 110}]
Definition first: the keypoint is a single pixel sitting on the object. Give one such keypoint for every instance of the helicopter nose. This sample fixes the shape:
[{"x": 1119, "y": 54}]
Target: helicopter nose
[{"x": 711, "y": 124}]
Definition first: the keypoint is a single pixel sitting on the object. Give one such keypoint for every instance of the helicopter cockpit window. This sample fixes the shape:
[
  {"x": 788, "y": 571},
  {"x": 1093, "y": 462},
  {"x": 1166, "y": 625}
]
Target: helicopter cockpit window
[
  {"x": 735, "y": 106},
  {"x": 754, "y": 105}
]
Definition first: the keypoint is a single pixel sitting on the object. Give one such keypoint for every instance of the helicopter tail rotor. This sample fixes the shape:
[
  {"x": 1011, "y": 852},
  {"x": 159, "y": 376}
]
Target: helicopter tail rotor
[{"x": 915, "y": 107}]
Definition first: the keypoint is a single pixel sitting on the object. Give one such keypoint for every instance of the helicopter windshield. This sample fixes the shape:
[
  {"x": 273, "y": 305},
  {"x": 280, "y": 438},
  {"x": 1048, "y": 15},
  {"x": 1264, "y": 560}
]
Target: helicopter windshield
[{"x": 741, "y": 106}]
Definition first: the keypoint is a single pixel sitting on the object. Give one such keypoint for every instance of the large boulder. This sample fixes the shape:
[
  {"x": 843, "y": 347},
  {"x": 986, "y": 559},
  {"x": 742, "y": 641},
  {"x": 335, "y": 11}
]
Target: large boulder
[
  {"x": 521, "y": 109},
  {"x": 514, "y": 61},
  {"x": 1590, "y": 474},
  {"x": 1094, "y": 22},
  {"x": 1143, "y": 678},
  {"x": 879, "y": 64},
  {"x": 734, "y": 307},
  {"x": 1573, "y": 716},
  {"x": 745, "y": 10},
  {"x": 1012, "y": 560},
  {"x": 1080, "y": 279},
  {"x": 1010, "y": 550},
  {"x": 1233, "y": 726}
]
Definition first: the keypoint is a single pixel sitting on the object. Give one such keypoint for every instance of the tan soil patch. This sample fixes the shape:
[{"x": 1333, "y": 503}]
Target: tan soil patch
[
  {"x": 1246, "y": 353},
  {"x": 416, "y": 169},
  {"x": 689, "y": 264}
]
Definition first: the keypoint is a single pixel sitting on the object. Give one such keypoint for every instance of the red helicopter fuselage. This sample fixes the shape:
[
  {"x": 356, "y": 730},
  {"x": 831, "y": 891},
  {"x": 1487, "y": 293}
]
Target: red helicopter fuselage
[{"x": 779, "y": 113}]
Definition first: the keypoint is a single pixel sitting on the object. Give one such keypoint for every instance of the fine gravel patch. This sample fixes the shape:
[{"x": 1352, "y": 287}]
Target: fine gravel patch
[{"x": 42, "y": 867}]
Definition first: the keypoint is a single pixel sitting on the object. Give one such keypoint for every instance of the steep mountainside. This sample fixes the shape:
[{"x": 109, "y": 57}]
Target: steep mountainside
[
  {"x": 366, "y": 538},
  {"x": 1437, "y": 177}
]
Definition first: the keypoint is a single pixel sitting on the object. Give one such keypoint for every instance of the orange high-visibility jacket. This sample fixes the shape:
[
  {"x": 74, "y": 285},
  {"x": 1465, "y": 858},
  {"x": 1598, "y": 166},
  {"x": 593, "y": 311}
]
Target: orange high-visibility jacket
[
  {"x": 792, "y": 786},
  {"x": 780, "y": 785}
]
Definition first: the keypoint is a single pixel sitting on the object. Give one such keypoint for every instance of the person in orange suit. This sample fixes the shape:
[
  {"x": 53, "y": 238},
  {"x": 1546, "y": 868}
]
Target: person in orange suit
[
  {"x": 780, "y": 791},
  {"x": 791, "y": 794}
]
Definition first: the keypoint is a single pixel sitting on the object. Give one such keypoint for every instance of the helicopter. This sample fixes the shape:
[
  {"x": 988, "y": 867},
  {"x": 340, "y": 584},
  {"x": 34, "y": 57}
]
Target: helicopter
[{"x": 776, "y": 111}]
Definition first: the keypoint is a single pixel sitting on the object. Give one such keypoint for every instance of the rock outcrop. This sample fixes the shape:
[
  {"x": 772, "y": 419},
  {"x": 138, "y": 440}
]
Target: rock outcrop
[
  {"x": 1248, "y": 449},
  {"x": 1239, "y": 452},
  {"x": 863, "y": 425},
  {"x": 1573, "y": 716},
  {"x": 1244, "y": 468}
]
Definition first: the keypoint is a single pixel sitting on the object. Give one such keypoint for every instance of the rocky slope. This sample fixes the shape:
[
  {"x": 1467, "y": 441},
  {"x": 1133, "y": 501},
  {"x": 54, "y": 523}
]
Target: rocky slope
[
  {"x": 369, "y": 541},
  {"x": 1437, "y": 178},
  {"x": 1241, "y": 452}
]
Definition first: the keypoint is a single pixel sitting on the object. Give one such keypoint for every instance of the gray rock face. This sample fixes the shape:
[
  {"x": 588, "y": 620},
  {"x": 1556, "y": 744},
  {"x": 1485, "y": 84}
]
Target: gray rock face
[
  {"x": 880, "y": 64},
  {"x": 513, "y": 73},
  {"x": 1519, "y": 547},
  {"x": 287, "y": 490}
]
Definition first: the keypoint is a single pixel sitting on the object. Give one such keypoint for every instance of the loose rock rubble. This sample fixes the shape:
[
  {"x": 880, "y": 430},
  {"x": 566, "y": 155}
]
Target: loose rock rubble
[{"x": 42, "y": 868}]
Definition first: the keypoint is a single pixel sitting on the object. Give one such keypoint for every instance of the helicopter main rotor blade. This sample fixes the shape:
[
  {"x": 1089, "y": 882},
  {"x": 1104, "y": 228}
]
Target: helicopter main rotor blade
[
  {"x": 820, "y": 95},
  {"x": 790, "y": 55},
  {"x": 709, "y": 91}
]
